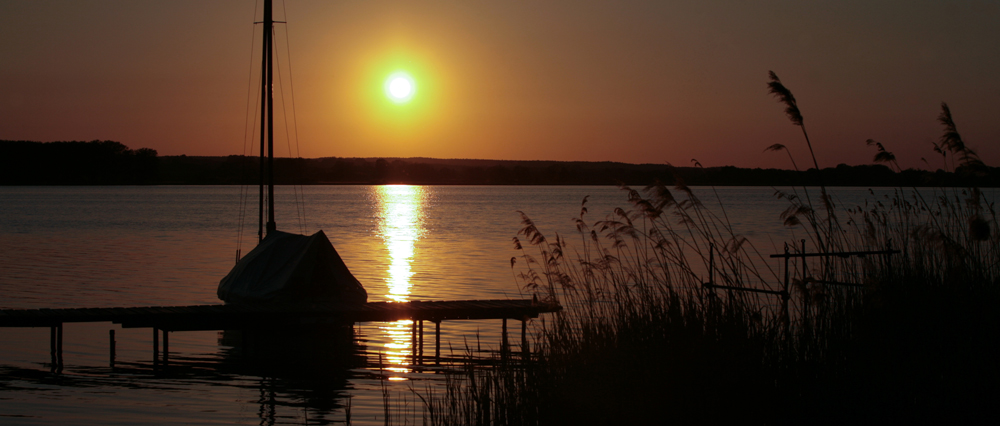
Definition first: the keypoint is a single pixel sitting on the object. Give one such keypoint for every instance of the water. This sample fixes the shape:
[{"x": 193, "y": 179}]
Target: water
[{"x": 140, "y": 246}]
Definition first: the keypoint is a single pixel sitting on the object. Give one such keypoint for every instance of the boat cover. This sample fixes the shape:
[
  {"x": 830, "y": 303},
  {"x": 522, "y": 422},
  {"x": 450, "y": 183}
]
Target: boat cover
[{"x": 290, "y": 268}]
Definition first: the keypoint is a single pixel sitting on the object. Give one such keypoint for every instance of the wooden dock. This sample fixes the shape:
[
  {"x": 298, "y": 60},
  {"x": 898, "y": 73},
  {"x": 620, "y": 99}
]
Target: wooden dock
[{"x": 242, "y": 317}]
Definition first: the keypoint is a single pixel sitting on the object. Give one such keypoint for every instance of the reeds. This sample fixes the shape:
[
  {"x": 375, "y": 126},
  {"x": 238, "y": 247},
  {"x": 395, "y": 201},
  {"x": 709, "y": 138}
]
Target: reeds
[{"x": 656, "y": 327}]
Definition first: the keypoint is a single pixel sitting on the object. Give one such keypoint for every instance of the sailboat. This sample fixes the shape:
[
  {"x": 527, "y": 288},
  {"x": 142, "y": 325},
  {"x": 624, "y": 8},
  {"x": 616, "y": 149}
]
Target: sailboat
[{"x": 285, "y": 268}]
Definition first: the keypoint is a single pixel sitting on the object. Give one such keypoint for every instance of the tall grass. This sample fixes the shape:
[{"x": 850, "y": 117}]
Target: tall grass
[{"x": 642, "y": 339}]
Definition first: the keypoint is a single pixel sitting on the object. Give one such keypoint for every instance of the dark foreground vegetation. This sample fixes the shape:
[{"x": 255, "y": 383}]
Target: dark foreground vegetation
[
  {"x": 911, "y": 339},
  {"x": 112, "y": 163}
]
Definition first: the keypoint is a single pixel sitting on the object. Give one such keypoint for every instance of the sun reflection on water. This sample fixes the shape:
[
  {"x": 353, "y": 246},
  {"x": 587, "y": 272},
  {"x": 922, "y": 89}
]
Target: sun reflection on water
[
  {"x": 401, "y": 208},
  {"x": 399, "y": 348}
]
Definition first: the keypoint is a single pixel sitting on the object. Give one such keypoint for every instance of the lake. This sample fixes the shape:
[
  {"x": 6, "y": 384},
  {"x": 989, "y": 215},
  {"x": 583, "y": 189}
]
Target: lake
[{"x": 170, "y": 245}]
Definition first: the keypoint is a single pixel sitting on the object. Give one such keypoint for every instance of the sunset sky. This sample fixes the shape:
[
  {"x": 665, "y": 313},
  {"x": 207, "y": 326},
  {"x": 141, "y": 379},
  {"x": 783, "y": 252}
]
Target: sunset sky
[{"x": 631, "y": 81}]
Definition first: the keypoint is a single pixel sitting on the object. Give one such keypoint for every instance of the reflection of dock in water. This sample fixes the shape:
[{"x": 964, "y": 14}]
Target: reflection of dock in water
[
  {"x": 308, "y": 376},
  {"x": 283, "y": 317}
]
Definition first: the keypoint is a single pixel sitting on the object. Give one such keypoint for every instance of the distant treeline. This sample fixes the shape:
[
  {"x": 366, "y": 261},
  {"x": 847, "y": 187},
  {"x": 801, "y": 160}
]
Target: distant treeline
[
  {"x": 76, "y": 163},
  {"x": 107, "y": 162}
]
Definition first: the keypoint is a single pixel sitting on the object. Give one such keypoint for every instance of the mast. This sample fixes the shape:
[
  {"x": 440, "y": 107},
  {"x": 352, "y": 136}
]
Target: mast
[
  {"x": 269, "y": 28},
  {"x": 266, "y": 126}
]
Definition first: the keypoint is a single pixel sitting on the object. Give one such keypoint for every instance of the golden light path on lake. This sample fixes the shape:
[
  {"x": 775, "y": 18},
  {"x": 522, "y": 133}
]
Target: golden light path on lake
[{"x": 400, "y": 207}]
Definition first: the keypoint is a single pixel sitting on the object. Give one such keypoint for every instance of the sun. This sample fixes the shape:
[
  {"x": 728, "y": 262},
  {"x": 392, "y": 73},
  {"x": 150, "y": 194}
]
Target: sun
[{"x": 399, "y": 87}]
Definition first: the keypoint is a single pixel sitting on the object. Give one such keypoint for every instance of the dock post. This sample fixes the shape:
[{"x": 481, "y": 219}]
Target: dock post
[
  {"x": 156, "y": 346},
  {"x": 804, "y": 269},
  {"x": 503, "y": 342},
  {"x": 805, "y": 300},
  {"x": 888, "y": 256},
  {"x": 420, "y": 360},
  {"x": 437, "y": 342},
  {"x": 785, "y": 294},
  {"x": 111, "y": 349},
  {"x": 524, "y": 340},
  {"x": 166, "y": 347},
  {"x": 413, "y": 341},
  {"x": 52, "y": 346},
  {"x": 59, "y": 346}
]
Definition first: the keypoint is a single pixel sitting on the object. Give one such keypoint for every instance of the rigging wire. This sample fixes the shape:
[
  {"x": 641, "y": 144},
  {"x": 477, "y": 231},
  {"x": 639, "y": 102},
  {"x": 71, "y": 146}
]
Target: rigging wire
[
  {"x": 244, "y": 188},
  {"x": 246, "y": 160},
  {"x": 295, "y": 117},
  {"x": 284, "y": 112},
  {"x": 296, "y": 188}
]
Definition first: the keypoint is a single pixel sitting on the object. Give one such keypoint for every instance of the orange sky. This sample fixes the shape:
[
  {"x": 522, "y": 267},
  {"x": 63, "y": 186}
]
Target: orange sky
[{"x": 630, "y": 81}]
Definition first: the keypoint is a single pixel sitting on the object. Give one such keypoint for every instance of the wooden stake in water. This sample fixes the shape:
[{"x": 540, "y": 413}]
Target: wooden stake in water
[
  {"x": 111, "y": 349},
  {"x": 503, "y": 342},
  {"x": 524, "y": 340},
  {"x": 156, "y": 346},
  {"x": 437, "y": 341},
  {"x": 413, "y": 342},
  {"x": 420, "y": 343},
  {"x": 59, "y": 348},
  {"x": 52, "y": 346}
]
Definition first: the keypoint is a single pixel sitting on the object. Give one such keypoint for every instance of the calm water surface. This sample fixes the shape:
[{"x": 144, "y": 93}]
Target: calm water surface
[{"x": 140, "y": 246}]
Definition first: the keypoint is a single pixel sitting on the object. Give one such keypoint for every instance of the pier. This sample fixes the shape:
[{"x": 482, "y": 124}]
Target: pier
[{"x": 247, "y": 317}]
